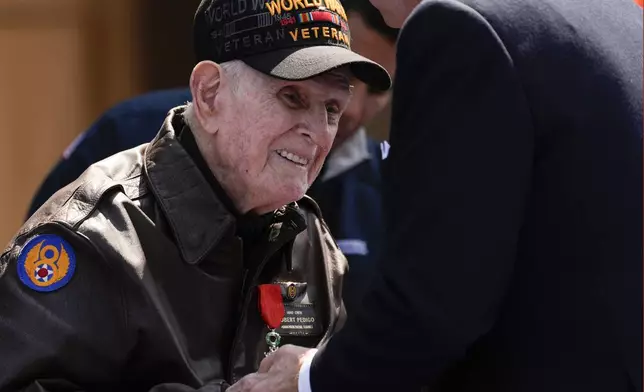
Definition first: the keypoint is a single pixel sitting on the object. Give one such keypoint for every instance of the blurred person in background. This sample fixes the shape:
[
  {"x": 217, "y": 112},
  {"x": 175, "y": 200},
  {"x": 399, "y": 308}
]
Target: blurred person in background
[
  {"x": 348, "y": 189},
  {"x": 178, "y": 264}
]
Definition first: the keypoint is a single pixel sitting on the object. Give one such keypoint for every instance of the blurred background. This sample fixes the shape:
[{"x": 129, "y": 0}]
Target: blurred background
[{"x": 64, "y": 62}]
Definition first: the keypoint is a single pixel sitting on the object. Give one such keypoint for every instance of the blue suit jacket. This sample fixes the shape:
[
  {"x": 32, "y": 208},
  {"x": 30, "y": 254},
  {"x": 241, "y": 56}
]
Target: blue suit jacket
[{"x": 513, "y": 205}]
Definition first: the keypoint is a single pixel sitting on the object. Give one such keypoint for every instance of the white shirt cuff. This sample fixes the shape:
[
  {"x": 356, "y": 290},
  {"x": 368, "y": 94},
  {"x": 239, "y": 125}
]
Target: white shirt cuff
[{"x": 304, "y": 378}]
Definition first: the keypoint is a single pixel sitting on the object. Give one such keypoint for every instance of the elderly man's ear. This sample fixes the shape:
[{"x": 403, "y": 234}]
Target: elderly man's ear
[{"x": 205, "y": 84}]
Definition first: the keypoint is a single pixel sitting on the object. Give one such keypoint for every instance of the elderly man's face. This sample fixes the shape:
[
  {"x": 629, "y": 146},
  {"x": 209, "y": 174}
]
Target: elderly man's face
[{"x": 273, "y": 135}]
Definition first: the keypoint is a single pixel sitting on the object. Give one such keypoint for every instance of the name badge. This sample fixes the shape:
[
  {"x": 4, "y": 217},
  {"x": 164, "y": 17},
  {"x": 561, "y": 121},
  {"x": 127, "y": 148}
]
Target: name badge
[{"x": 299, "y": 316}]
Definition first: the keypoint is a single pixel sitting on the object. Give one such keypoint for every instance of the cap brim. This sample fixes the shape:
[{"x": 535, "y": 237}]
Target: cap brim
[{"x": 306, "y": 62}]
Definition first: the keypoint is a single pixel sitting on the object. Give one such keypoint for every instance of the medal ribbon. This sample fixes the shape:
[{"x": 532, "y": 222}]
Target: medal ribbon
[{"x": 271, "y": 305}]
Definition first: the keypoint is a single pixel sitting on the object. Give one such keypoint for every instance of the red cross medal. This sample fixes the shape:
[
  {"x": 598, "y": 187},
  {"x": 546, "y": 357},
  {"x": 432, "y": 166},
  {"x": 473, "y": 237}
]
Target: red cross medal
[{"x": 271, "y": 308}]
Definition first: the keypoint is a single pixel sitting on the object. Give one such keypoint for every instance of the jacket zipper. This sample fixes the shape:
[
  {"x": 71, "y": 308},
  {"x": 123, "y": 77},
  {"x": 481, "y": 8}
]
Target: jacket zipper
[
  {"x": 246, "y": 292},
  {"x": 246, "y": 301}
]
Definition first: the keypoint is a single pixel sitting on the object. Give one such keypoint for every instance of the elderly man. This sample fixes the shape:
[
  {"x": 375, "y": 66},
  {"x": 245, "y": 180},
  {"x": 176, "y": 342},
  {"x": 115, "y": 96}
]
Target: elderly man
[
  {"x": 178, "y": 265},
  {"x": 514, "y": 192},
  {"x": 348, "y": 189}
]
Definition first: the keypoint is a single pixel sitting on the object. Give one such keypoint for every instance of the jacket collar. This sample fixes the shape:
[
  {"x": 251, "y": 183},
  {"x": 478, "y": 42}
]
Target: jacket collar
[{"x": 197, "y": 217}]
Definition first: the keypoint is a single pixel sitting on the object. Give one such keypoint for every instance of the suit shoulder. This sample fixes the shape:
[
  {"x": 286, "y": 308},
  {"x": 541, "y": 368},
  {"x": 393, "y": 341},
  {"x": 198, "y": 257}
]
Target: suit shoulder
[
  {"x": 437, "y": 26},
  {"x": 444, "y": 37},
  {"x": 444, "y": 12}
]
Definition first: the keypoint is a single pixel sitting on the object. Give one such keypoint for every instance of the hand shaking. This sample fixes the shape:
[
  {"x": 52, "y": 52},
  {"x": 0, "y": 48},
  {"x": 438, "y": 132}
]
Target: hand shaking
[{"x": 279, "y": 372}]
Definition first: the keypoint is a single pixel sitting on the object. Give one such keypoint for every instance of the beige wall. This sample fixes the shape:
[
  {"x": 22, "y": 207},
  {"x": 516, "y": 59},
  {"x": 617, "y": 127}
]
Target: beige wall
[{"x": 61, "y": 63}]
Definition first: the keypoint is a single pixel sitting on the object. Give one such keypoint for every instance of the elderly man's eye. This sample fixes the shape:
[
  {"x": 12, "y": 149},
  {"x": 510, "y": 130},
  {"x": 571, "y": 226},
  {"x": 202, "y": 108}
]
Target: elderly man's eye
[
  {"x": 291, "y": 98},
  {"x": 333, "y": 112},
  {"x": 333, "y": 109}
]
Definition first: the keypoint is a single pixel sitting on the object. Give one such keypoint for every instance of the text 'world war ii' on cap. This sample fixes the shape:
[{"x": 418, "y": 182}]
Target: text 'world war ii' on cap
[{"x": 287, "y": 39}]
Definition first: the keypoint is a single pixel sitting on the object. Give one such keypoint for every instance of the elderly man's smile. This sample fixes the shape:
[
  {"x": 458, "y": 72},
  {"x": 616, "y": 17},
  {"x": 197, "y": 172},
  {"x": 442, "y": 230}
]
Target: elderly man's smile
[{"x": 293, "y": 158}]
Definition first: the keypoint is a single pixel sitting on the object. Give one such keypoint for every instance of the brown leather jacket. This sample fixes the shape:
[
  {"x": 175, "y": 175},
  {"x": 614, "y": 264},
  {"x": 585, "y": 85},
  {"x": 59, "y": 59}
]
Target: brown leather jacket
[{"x": 150, "y": 289}]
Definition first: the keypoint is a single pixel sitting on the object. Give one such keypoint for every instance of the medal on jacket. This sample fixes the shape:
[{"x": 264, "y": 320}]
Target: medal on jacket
[{"x": 271, "y": 307}]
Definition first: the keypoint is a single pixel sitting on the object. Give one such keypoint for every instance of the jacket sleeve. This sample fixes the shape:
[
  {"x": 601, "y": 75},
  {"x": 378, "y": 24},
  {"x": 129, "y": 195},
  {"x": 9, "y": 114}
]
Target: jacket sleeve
[
  {"x": 73, "y": 338},
  {"x": 455, "y": 184}
]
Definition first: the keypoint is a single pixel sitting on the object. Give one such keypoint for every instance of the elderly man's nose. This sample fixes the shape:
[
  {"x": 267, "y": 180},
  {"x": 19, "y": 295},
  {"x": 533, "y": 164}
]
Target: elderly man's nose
[{"x": 316, "y": 126}]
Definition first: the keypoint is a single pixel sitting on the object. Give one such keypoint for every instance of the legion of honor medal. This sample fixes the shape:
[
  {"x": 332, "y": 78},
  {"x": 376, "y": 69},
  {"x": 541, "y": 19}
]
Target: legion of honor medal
[{"x": 271, "y": 307}]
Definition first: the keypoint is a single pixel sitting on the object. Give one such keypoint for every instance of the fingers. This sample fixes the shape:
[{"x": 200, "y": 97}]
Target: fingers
[
  {"x": 249, "y": 383},
  {"x": 280, "y": 357},
  {"x": 268, "y": 362},
  {"x": 277, "y": 372}
]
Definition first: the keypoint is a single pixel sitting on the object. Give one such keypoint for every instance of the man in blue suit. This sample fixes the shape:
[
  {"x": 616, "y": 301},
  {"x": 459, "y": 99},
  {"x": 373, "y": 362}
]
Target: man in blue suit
[
  {"x": 348, "y": 190},
  {"x": 513, "y": 202}
]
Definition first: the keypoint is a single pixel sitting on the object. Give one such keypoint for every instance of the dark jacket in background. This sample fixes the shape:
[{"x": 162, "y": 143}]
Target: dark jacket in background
[
  {"x": 126, "y": 125},
  {"x": 513, "y": 204},
  {"x": 164, "y": 292}
]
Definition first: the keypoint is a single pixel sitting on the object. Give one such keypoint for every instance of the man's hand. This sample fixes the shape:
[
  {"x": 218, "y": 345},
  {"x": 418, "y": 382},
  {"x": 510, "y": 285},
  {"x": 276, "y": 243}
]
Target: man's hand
[{"x": 277, "y": 373}]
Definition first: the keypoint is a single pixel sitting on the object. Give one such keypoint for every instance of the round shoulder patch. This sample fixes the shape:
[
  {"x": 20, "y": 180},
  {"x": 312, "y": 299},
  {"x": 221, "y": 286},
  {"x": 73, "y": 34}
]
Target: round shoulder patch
[{"x": 46, "y": 263}]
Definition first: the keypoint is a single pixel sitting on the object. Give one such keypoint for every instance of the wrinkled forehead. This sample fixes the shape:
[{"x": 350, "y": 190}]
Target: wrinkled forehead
[
  {"x": 335, "y": 82},
  {"x": 336, "y": 79}
]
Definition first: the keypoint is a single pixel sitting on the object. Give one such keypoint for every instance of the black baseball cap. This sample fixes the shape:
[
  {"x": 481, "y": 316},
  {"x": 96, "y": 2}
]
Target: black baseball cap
[{"x": 286, "y": 39}]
